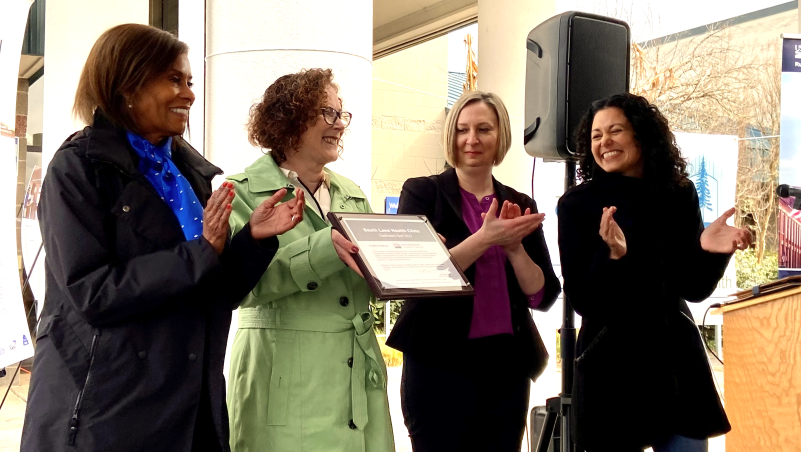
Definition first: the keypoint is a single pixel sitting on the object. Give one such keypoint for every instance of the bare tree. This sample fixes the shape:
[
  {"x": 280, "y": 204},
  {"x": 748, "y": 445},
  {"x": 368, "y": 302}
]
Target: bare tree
[{"x": 710, "y": 84}]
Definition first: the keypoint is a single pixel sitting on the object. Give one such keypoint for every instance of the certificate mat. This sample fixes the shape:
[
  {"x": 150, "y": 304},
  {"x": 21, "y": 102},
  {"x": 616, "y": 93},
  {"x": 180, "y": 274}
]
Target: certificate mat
[{"x": 401, "y": 256}]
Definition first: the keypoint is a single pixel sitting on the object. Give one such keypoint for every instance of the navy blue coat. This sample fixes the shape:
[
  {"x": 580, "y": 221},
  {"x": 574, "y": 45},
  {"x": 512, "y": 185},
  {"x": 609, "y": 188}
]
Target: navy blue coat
[{"x": 132, "y": 338}]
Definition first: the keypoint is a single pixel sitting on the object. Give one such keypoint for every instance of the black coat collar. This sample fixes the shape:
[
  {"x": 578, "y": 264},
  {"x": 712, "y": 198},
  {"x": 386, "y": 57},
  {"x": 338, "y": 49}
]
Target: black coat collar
[{"x": 108, "y": 143}]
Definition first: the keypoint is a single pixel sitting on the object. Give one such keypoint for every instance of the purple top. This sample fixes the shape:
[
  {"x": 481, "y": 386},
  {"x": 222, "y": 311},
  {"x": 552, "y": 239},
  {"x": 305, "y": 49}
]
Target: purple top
[{"x": 492, "y": 312}]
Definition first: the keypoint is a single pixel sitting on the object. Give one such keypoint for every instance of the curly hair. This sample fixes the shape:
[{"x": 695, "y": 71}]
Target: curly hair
[
  {"x": 286, "y": 109},
  {"x": 664, "y": 166}
]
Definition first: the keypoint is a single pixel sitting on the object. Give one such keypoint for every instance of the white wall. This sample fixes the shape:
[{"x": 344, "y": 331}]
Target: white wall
[
  {"x": 73, "y": 26},
  {"x": 192, "y": 31}
]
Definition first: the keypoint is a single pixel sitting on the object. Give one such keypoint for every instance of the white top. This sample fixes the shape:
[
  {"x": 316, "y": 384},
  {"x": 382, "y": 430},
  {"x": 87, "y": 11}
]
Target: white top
[{"x": 319, "y": 201}]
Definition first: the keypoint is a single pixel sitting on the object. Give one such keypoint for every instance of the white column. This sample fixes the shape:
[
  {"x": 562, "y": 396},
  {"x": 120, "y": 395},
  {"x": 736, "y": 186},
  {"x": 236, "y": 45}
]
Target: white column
[
  {"x": 502, "y": 36},
  {"x": 73, "y": 26},
  {"x": 249, "y": 44},
  {"x": 252, "y": 43},
  {"x": 502, "y": 33},
  {"x": 192, "y": 31}
]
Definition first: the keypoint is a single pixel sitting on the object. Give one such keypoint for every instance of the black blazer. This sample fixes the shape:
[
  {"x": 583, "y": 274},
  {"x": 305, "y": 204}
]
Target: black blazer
[{"x": 423, "y": 323}]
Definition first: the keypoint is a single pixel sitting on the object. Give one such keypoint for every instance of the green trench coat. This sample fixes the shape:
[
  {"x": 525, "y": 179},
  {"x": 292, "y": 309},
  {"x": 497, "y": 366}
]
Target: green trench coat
[{"x": 306, "y": 370}]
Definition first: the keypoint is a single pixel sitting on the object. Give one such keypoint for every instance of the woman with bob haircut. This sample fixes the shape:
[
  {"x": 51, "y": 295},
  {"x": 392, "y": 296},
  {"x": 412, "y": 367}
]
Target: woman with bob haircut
[
  {"x": 141, "y": 273},
  {"x": 468, "y": 362},
  {"x": 306, "y": 369},
  {"x": 634, "y": 248}
]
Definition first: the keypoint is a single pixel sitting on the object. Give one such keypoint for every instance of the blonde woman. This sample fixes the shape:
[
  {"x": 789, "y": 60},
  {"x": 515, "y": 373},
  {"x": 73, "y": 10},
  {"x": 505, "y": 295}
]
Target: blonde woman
[{"x": 468, "y": 361}]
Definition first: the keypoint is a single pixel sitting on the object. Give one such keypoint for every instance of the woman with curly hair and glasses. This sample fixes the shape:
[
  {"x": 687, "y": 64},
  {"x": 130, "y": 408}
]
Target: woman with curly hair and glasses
[
  {"x": 306, "y": 369},
  {"x": 634, "y": 249}
]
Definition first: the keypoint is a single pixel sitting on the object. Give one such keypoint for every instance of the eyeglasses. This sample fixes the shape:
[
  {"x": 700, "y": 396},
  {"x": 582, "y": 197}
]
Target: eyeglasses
[{"x": 330, "y": 115}]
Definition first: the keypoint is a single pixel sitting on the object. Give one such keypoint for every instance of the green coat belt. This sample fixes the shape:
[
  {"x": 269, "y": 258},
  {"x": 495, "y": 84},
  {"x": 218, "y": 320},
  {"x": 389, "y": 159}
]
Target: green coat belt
[{"x": 306, "y": 370}]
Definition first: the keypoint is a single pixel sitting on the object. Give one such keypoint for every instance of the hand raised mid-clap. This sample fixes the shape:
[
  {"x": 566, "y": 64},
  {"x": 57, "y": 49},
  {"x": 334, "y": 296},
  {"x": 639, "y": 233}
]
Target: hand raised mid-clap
[
  {"x": 510, "y": 227},
  {"x": 722, "y": 238},
  {"x": 612, "y": 234},
  {"x": 269, "y": 220},
  {"x": 215, "y": 216}
]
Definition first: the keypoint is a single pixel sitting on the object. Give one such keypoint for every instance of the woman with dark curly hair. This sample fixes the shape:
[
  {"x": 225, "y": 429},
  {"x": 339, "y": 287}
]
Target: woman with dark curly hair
[
  {"x": 633, "y": 249},
  {"x": 306, "y": 369}
]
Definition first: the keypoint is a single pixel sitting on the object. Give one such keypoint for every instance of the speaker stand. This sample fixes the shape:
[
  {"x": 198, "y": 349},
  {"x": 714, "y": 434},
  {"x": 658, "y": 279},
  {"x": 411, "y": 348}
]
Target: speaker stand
[{"x": 558, "y": 408}]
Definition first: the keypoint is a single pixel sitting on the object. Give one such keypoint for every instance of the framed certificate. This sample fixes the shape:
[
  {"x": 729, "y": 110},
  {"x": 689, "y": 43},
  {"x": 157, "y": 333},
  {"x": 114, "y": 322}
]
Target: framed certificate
[{"x": 401, "y": 256}]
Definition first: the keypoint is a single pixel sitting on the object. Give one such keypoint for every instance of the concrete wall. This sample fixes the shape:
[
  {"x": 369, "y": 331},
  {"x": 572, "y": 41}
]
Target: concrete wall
[{"x": 407, "y": 119}]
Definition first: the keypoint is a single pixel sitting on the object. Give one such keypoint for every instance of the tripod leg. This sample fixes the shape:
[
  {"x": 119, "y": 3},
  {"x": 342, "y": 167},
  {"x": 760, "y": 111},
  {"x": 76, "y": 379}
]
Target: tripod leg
[{"x": 547, "y": 432}]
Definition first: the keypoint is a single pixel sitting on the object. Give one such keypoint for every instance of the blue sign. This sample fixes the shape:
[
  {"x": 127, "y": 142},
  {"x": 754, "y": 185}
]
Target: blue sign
[{"x": 391, "y": 204}]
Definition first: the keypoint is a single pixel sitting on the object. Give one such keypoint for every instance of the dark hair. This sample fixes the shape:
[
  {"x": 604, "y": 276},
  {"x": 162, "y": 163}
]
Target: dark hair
[
  {"x": 664, "y": 166},
  {"x": 288, "y": 105},
  {"x": 123, "y": 60}
]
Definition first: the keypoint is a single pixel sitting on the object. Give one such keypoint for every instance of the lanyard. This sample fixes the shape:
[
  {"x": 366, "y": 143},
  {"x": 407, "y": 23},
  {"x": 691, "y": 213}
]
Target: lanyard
[{"x": 322, "y": 215}]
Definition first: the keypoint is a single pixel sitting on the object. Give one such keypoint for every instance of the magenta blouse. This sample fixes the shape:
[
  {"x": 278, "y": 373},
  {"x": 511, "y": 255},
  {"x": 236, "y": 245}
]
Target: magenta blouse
[{"x": 492, "y": 312}]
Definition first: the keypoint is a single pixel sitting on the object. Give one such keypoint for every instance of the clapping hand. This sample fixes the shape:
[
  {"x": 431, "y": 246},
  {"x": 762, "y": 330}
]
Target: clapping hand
[
  {"x": 722, "y": 238},
  {"x": 269, "y": 220},
  {"x": 612, "y": 234},
  {"x": 510, "y": 227},
  {"x": 215, "y": 216}
]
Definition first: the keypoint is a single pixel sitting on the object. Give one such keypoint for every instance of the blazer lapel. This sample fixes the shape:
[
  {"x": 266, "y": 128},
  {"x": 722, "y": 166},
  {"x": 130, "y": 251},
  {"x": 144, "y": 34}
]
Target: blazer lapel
[{"x": 449, "y": 183}]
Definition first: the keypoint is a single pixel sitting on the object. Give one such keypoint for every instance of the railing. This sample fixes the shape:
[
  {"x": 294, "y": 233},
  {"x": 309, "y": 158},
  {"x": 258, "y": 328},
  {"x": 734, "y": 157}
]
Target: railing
[{"x": 789, "y": 238}]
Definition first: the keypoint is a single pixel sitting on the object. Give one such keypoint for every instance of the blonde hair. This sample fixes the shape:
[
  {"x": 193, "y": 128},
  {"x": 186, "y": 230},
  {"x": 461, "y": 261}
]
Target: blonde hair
[{"x": 504, "y": 128}]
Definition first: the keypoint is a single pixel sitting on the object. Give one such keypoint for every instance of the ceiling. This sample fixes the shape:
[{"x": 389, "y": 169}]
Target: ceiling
[{"x": 399, "y": 24}]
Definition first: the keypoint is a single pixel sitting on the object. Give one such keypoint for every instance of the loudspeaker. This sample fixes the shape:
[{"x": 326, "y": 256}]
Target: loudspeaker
[{"x": 573, "y": 59}]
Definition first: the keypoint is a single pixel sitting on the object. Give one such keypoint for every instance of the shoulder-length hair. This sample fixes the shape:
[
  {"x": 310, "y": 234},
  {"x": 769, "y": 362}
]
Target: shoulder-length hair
[
  {"x": 494, "y": 102},
  {"x": 291, "y": 103},
  {"x": 664, "y": 166},
  {"x": 123, "y": 60}
]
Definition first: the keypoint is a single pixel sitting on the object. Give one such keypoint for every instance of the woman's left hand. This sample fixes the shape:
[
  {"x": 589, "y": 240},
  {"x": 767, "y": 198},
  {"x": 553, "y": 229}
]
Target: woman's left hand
[
  {"x": 510, "y": 211},
  {"x": 269, "y": 220},
  {"x": 722, "y": 238}
]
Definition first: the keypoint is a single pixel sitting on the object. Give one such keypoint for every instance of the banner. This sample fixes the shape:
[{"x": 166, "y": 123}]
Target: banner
[
  {"x": 789, "y": 218},
  {"x": 15, "y": 338},
  {"x": 712, "y": 166}
]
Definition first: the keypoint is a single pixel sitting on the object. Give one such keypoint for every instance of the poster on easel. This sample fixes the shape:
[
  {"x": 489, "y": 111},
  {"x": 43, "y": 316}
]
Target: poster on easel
[
  {"x": 33, "y": 254},
  {"x": 712, "y": 167},
  {"x": 15, "y": 337},
  {"x": 789, "y": 216}
]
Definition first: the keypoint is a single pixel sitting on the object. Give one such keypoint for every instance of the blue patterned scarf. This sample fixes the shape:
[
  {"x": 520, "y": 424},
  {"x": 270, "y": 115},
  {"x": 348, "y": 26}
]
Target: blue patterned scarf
[{"x": 156, "y": 165}]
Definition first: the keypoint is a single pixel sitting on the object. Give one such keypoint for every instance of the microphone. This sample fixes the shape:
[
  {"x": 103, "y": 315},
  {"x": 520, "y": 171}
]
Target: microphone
[{"x": 787, "y": 191}]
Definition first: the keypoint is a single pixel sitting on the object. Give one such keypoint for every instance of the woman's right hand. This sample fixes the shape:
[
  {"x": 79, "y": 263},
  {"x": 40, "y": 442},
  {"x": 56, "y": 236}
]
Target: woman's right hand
[
  {"x": 510, "y": 227},
  {"x": 612, "y": 234},
  {"x": 215, "y": 216},
  {"x": 345, "y": 248}
]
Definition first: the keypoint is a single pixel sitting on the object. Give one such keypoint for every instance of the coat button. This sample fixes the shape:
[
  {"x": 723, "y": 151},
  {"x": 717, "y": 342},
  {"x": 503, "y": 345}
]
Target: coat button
[
  {"x": 311, "y": 286},
  {"x": 142, "y": 355},
  {"x": 352, "y": 425},
  {"x": 350, "y": 362},
  {"x": 126, "y": 209},
  {"x": 343, "y": 301},
  {"x": 192, "y": 357}
]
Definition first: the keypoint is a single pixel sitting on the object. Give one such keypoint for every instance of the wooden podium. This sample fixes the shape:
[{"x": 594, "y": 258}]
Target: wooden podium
[{"x": 762, "y": 372}]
